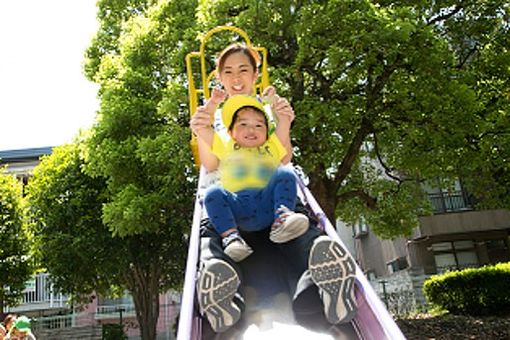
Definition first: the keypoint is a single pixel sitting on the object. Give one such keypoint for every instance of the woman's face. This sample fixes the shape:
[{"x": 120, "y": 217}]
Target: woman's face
[{"x": 238, "y": 75}]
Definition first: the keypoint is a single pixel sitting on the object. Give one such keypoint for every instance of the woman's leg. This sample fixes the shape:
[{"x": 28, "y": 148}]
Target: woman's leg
[{"x": 219, "y": 285}]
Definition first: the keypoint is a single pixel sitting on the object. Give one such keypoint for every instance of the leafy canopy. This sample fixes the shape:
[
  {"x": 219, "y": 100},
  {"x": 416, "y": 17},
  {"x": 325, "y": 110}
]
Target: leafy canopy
[{"x": 15, "y": 258}]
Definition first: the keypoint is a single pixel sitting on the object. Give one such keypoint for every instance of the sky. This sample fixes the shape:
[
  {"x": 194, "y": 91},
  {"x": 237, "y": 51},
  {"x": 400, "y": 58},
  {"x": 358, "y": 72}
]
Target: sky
[{"x": 44, "y": 97}]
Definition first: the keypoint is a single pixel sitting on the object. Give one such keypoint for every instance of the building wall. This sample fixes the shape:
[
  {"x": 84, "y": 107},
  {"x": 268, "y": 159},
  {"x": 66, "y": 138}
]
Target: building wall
[
  {"x": 463, "y": 222},
  {"x": 370, "y": 258},
  {"x": 481, "y": 228}
]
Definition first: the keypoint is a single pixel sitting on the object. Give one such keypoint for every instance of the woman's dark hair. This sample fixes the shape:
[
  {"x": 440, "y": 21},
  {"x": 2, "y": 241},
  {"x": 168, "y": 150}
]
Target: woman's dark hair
[{"x": 248, "y": 51}]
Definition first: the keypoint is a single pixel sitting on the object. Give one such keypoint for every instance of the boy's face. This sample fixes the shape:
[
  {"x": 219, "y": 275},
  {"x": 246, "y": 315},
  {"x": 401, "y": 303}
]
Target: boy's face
[{"x": 249, "y": 129}]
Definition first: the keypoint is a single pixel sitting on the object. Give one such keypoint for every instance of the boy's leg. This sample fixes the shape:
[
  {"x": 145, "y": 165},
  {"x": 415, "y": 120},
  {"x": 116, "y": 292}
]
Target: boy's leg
[
  {"x": 221, "y": 206},
  {"x": 282, "y": 193},
  {"x": 219, "y": 291}
]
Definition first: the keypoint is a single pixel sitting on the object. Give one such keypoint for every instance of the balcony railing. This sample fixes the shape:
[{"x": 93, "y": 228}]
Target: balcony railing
[
  {"x": 108, "y": 311},
  {"x": 54, "y": 322},
  {"x": 450, "y": 202},
  {"x": 39, "y": 293}
]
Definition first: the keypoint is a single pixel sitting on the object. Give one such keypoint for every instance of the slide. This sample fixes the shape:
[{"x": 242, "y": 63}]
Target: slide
[{"x": 268, "y": 312}]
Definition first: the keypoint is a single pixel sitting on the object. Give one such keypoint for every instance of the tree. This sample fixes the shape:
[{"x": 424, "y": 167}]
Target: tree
[
  {"x": 64, "y": 205},
  {"x": 67, "y": 233},
  {"x": 140, "y": 148},
  {"x": 388, "y": 95},
  {"x": 15, "y": 262}
]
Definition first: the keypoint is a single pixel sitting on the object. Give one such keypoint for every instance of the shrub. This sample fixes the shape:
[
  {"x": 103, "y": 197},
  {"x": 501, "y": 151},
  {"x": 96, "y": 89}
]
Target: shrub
[
  {"x": 476, "y": 292},
  {"x": 113, "y": 332}
]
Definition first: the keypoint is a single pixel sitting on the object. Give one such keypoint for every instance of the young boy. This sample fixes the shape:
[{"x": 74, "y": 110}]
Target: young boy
[{"x": 254, "y": 191}]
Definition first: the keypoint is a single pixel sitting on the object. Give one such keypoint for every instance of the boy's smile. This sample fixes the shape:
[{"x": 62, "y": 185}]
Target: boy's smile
[{"x": 250, "y": 128}]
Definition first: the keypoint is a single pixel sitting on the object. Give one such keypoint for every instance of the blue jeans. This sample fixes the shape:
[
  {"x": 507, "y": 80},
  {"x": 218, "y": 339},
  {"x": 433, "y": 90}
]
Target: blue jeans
[{"x": 251, "y": 209}]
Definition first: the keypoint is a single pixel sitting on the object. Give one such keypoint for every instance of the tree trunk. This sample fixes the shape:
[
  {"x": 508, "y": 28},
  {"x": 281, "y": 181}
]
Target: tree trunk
[
  {"x": 324, "y": 191},
  {"x": 145, "y": 292}
]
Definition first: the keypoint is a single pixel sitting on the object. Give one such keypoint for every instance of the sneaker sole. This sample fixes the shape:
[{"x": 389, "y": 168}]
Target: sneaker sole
[
  {"x": 298, "y": 226},
  {"x": 333, "y": 270},
  {"x": 217, "y": 286}
]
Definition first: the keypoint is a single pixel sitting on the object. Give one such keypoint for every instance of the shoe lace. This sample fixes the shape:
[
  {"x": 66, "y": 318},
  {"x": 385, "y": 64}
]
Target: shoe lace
[
  {"x": 232, "y": 237},
  {"x": 282, "y": 213}
]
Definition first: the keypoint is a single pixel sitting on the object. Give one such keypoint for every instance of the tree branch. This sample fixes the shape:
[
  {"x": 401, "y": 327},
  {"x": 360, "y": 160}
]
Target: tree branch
[
  {"x": 466, "y": 58},
  {"x": 352, "y": 153},
  {"x": 444, "y": 16},
  {"x": 387, "y": 170},
  {"x": 369, "y": 201}
]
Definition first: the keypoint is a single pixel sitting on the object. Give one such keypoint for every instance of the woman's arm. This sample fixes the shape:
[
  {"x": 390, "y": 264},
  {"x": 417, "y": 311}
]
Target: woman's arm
[
  {"x": 201, "y": 125},
  {"x": 285, "y": 116}
]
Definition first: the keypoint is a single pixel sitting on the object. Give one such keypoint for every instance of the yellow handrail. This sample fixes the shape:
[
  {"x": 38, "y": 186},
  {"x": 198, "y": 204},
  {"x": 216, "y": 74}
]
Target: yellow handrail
[{"x": 194, "y": 92}]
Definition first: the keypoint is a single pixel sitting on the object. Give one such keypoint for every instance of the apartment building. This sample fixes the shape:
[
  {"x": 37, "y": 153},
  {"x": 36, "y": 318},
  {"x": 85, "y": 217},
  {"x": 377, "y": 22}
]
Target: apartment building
[
  {"x": 55, "y": 317},
  {"x": 455, "y": 237}
]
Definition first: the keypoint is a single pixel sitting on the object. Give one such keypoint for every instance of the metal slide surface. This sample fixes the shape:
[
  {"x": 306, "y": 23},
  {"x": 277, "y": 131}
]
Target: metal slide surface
[{"x": 268, "y": 312}]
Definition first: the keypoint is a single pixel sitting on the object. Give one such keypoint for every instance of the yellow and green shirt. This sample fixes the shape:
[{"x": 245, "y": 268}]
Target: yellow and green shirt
[{"x": 247, "y": 168}]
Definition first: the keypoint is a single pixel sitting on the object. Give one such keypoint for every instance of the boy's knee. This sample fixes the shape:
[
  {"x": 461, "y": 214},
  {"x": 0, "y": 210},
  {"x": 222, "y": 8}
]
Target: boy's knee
[
  {"x": 286, "y": 174},
  {"x": 213, "y": 193}
]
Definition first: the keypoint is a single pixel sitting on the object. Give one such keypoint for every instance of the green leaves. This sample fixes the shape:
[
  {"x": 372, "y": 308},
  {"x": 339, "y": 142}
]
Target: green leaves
[
  {"x": 71, "y": 240},
  {"x": 15, "y": 258},
  {"x": 475, "y": 292},
  {"x": 409, "y": 91}
]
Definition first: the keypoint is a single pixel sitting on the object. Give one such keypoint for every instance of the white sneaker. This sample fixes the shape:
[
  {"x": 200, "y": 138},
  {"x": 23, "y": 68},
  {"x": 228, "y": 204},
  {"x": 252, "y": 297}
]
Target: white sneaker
[
  {"x": 334, "y": 272},
  {"x": 235, "y": 247},
  {"x": 288, "y": 226},
  {"x": 217, "y": 287}
]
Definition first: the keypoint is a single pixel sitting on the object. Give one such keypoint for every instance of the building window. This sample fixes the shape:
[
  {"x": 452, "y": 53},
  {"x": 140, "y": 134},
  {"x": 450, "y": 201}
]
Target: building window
[
  {"x": 497, "y": 250},
  {"x": 397, "y": 265},
  {"x": 24, "y": 181},
  {"x": 454, "y": 255},
  {"x": 454, "y": 198},
  {"x": 360, "y": 228},
  {"x": 371, "y": 275}
]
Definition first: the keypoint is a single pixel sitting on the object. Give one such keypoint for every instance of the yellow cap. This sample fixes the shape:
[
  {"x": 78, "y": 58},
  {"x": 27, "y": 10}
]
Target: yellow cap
[{"x": 237, "y": 102}]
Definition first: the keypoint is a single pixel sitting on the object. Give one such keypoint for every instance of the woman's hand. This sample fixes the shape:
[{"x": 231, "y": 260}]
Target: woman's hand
[
  {"x": 217, "y": 96},
  {"x": 283, "y": 110},
  {"x": 201, "y": 119}
]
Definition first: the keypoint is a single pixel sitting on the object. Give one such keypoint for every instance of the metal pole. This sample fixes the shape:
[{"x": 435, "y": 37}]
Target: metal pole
[{"x": 385, "y": 294}]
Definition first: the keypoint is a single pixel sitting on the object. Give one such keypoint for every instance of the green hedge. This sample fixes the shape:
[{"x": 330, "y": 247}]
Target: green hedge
[
  {"x": 476, "y": 292},
  {"x": 113, "y": 331}
]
